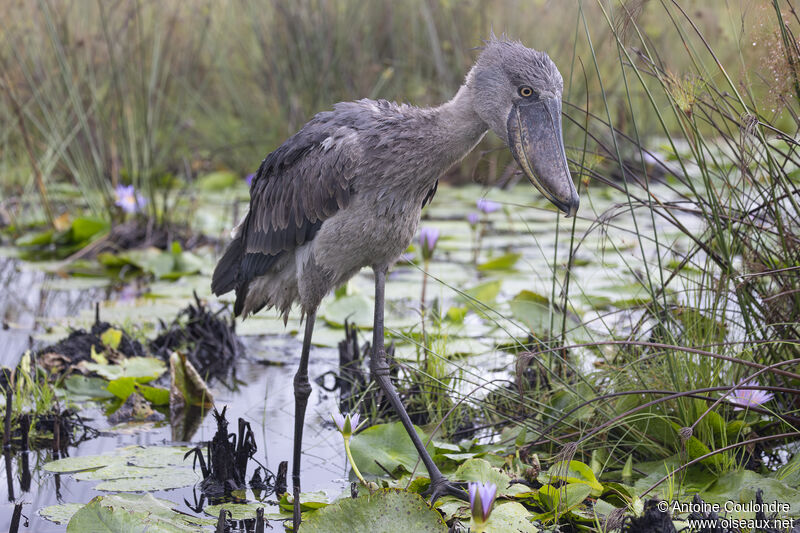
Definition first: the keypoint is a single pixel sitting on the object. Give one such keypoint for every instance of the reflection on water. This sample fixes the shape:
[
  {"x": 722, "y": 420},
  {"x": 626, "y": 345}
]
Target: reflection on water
[{"x": 261, "y": 394}]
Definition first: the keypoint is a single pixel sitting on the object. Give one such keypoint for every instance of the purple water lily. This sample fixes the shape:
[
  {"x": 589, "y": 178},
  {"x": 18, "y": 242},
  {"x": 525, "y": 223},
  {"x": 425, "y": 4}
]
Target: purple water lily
[
  {"x": 481, "y": 499},
  {"x": 346, "y": 423},
  {"x": 487, "y": 206},
  {"x": 128, "y": 199},
  {"x": 427, "y": 241},
  {"x": 749, "y": 397},
  {"x": 473, "y": 219}
]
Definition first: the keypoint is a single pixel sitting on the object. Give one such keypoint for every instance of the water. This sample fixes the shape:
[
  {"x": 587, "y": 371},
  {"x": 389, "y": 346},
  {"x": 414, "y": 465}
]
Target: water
[
  {"x": 40, "y": 304},
  {"x": 263, "y": 396}
]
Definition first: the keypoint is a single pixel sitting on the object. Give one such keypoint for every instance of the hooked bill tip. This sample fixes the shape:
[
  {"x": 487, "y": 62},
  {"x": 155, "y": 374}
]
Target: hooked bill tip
[{"x": 572, "y": 207}]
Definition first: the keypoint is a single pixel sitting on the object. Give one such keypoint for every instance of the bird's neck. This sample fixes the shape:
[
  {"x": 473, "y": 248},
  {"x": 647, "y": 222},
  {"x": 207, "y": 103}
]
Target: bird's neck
[{"x": 460, "y": 126}]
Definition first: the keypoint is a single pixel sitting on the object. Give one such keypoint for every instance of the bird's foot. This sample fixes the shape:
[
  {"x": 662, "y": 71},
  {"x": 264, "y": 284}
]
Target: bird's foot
[{"x": 443, "y": 487}]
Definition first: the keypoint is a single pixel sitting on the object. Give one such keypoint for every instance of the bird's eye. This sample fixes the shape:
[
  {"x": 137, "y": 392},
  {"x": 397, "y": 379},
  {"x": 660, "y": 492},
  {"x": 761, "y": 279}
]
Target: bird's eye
[{"x": 525, "y": 91}]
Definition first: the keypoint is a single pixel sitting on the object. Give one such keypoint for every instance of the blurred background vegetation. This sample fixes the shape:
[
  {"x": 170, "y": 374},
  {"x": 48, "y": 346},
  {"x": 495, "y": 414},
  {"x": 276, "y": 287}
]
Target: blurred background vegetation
[{"x": 146, "y": 92}]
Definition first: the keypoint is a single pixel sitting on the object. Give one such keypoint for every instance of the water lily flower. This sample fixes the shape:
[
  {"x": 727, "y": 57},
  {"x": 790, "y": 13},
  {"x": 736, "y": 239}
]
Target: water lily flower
[
  {"x": 749, "y": 397},
  {"x": 249, "y": 179},
  {"x": 427, "y": 241},
  {"x": 347, "y": 423},
  {"x": 481, "y": 499},
  {"x": 487, "y": 206},
  {"x": 128, "y": 199},
  {"x": 473, "y": 219}
]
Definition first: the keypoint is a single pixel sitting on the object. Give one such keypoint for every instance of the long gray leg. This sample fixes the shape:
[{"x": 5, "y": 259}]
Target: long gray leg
[
  {"x": 379, "y": 368},
  {"x": 302, "y": 389}
]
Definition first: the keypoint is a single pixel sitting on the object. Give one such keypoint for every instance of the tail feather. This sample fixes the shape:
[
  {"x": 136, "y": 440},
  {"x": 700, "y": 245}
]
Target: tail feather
[{"x": 226, "y": 273}]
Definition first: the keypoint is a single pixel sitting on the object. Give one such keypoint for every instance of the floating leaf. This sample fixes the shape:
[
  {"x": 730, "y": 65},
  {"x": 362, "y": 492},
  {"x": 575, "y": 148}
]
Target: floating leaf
[
  {"x": 81, "y": 387},
  {"x": 151, "y": 260},
  {"x": 59, "y": 514},
  {"x": 309, "y": 501},
  {"x": 84, "y": 228},
  {"x": 533, "y": 310},
  {"x": 144, "y": 368},
  {"x": 111, "y": 338},
  {"x": 563, "y": 499},
  {"x": 130, "y": 513},
  {"x": 479, "y": 297},
  {"x": 572, "y": 472},
  {"x": 355, "y": 309},
  {"x": 154, "y": 395},
  {"x": 240, "y": 511},
  {"x": 151, "y": 479},
  {"x": 503, "y": 262},
  {"x": 389, "y": 445},
  {"x": 741, "y": 487},
  {"x": 385, "y": 511},
  {"x": 480, "y": 470},
  {"x": 511, "y": 517},
  {"x": 78, "y": 464}
]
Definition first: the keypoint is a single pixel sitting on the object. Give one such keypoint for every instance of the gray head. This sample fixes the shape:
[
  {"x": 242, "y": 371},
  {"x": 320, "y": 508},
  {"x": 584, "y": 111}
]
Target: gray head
[{"x": 517, "y": 92}]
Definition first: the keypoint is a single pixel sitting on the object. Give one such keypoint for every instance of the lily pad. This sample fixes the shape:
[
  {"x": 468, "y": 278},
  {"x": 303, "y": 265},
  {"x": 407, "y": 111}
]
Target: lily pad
[
  {"x": 159, "y": 479},
  {"x": 61, "y": 513},
  {"x": 143, "y": 368},
  {"x": 511, "y": 517},
  {"x": 131, "y": 469},
  {"x": 389, "y": 445},
  {"x": 78, "y": 464},
  {"x": 355, "y": 309},
  {"x": 503, "y": 262},
  {"x": 243, "y": 511},
  {"x": 86, "y": 388},
  {"x": 572, "y": 472},
  {"x": 481, "y": 470},
  {"x": 385, "y": 511},
  {"x": 132, "y": 513}
]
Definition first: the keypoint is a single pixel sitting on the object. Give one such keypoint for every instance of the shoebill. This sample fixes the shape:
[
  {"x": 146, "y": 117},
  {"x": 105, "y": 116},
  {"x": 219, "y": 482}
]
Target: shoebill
[{"x": 346, "y": 192}]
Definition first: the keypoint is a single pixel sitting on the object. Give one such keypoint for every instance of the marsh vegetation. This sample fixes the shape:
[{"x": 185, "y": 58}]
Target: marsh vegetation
[{"x": 646, "y": 349}]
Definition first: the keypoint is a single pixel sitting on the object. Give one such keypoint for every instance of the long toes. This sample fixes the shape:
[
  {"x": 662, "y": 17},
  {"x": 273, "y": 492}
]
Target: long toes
[{"x": 447, "y": 488}]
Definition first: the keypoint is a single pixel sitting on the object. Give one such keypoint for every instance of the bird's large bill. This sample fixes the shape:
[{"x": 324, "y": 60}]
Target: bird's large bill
[{"x": 534, "y": 136}]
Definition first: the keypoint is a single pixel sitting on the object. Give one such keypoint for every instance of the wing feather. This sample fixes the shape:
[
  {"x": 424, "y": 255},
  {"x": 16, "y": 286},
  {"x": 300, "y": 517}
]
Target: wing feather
[{"x": 297, "y": 187}]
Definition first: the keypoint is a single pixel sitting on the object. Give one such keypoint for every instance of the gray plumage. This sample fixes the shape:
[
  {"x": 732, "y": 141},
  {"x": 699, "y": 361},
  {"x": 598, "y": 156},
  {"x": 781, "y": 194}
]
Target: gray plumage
[{"x": 346, "y": 191}]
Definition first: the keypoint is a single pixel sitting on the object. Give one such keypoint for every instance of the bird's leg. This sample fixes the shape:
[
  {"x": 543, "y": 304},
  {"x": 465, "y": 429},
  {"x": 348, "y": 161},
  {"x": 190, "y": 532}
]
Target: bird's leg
[
  {"x": 302, "y": 389},
  {"x": 379, "y": 368}
]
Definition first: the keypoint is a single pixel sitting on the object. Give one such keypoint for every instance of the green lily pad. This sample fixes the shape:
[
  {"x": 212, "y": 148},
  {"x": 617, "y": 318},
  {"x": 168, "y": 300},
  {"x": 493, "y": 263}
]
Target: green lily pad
[
  {"x": 385, "y": 511},
  {"x": 132, "y": 513},
  {"x": 741, "y": 487},
  {"x": 61, "y": 513},
  {"x": 503, "y": 262},
  {"x": 131, "y": 469},
  {"x": 78, "y": 464},
  {"x": 389, "y": 445},
  {"x": 143, "y": 368},
  {"x": 481, "y": 295},
  {"x": 309, "y": 501},
  {"x": 482, "y": 471},
  {"x": 511, "y": 517},
  {"x": 84, "y": 228},
  {"x": 355, "y": 309},
  {"x": 572, "y": 472},
  {"x": 243, "y": 511},
  {"x": 86, "y": 388},
  {"x": 151, "y": 479}
]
